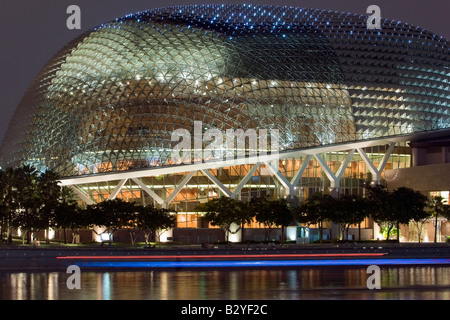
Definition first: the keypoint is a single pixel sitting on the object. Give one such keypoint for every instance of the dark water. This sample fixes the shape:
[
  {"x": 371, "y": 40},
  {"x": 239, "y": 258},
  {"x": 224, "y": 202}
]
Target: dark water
[{"x": 235, "y": 284}]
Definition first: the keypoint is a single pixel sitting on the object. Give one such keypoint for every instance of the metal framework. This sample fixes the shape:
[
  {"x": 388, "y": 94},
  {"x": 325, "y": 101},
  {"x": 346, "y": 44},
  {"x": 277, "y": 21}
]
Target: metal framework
[
  {"x": 103, "y": 111},
  {"x": 290, "y": 181}
]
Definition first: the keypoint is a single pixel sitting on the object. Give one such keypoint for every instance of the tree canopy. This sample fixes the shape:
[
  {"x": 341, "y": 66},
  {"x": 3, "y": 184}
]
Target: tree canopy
[
  {"x": 224, "y": 212},
  {"x": 151, "y": 220},
  {"x": 317, "y": 209},
  {"x": 390, "y": 209},
  {"x": 350, "y": 210},
  {"x": 32, "y": 200}
]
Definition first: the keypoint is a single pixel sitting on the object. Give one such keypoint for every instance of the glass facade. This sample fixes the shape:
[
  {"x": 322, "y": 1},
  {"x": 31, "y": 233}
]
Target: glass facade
[
  {"x": 110, "y": 100},
  {"x": 262, "y": 182}
]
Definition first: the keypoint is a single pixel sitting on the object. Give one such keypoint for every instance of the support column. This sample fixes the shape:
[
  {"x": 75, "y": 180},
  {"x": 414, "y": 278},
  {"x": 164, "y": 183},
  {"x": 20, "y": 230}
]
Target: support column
[
  {"x": 326, "y": 169},
  {"x": 116, "y": 191},
  {"x": 178, "y": 189},
  {"x": 282, "y": 179},
  {"x": 376, "y": 172},
  {"x": 83, "y": 196},
  {"x": 334, "y": 182},
  {"x": 298, "y": 175},
  {"x": 376, "y": 177},
  {"x": 385, "y": 159},
  {"x": 296, "y": 178},
  {"x": 216, "y": 181},
  {"x": 244, "y": 180},
  {"x": 149, "y": 191},
  {"x": 335, "y": 179}
]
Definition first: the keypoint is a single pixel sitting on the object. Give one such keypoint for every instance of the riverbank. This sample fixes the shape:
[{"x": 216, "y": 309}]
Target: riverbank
[{"x": 60, "y": 257}]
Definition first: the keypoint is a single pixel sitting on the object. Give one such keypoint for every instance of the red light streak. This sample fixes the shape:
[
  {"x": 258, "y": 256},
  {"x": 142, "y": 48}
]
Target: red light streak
[{"x": 239, "y": 256}]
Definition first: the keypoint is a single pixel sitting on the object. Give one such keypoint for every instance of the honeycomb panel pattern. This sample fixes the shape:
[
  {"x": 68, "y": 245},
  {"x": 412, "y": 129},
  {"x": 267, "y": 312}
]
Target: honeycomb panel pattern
[{"x": 110, "y": 100}]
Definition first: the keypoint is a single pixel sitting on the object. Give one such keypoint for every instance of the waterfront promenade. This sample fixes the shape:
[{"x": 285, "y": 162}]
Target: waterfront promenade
[{"x": 58, "y": 258}]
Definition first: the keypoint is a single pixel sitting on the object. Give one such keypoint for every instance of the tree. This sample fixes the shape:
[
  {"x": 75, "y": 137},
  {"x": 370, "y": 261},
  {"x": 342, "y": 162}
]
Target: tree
[
  {"x": 262, "y": 210},
  {"x": 68, "y": 215},
  {"x": 3, "y": 220},
  {"x": 111, "y": 214},
  {"x": 380, "y": 207},
  {"x": 420, "y": 224},
  {"x": 315, "y": 210},
  {"x": 438, "y": 208},
  {"x": 222, "y": 212},
  {"x": 150, "y": 220},
  {"x": 28, "y": 201},
  {"x": 225, "y": 211},
  {"x": 284, "y": 215},
  {"x": 9, "y": 181},
  {"x": 244, "y": 215},
  {"x": 132, "y": 225},
  {"x": 6, "y": 187},
  {"x": 390, "y": 209},
  {"x": 407, "y": 205},
  {"x": 49, "y": 195},
  {"x": 351, "y": 210},
  {"x": 272, "y": 213}
]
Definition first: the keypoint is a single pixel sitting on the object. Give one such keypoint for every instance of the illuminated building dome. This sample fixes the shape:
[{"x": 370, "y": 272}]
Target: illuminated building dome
[
  {"x": 346, "y": 101},
  {"x": 110, "y": 100}
]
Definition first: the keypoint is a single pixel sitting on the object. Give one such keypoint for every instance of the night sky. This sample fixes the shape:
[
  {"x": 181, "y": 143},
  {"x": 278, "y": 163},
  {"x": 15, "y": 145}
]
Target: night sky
[{"x": 32, "y": 31}]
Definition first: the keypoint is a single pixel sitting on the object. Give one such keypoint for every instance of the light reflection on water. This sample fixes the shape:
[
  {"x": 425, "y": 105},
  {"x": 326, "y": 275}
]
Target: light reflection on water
[{"x": 232, "y": 284}]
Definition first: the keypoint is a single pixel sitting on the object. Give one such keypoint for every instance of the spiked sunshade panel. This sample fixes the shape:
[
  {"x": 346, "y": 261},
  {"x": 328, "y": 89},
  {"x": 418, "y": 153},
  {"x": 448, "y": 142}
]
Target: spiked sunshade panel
[{"x": 110, "y": 100}]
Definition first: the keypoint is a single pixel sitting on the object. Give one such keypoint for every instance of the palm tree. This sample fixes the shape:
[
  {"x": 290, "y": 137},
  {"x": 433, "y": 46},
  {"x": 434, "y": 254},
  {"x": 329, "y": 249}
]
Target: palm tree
[
  {"x": 9, "y": 182},
  {"x": 438, "y": 208},
  {"x": 67, "y": 195},
  {"x": 50, "y": 194},
  {"x": 68, "y": 216},
  {"x": 28, "y": 199}
]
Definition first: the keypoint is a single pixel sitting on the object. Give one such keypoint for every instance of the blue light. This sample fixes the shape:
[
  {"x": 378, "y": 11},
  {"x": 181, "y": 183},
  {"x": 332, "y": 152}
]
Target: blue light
[{"x": 260, "y": 263}]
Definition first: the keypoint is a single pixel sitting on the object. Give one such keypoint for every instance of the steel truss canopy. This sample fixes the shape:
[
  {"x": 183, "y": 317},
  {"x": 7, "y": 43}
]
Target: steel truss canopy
[
  {"x": 271, "y": 162},
  {"x": 106, "y": 106}
]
